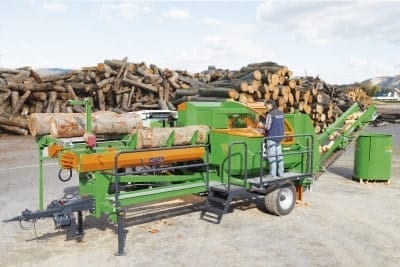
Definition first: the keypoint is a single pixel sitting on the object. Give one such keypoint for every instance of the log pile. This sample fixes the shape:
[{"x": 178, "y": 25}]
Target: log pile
[
  {"x": 268, "y": 80},
  {"x": 357, "y": 94},
  {"x": 121, "y": 86}
]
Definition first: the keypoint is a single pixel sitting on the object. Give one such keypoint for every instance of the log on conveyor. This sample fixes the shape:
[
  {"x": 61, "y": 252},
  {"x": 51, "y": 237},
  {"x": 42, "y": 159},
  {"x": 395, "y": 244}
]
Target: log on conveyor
[
  {"x": 103, "y": 123},
  {"x": 39, "y": 123},
  {"x": 157, "y": 137}
]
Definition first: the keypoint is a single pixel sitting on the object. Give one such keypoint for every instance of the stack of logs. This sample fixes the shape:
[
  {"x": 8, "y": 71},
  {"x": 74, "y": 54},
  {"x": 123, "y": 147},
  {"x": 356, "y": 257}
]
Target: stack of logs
[{"x": 120, "y": 86}]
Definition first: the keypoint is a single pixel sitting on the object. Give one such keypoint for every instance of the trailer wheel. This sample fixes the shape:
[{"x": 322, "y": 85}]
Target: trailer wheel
[{"x": 281, "y": 201}]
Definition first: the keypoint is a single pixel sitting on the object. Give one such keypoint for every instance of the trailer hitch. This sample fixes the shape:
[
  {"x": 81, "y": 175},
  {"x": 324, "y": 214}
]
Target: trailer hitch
[{"x": 62, "y": 212}]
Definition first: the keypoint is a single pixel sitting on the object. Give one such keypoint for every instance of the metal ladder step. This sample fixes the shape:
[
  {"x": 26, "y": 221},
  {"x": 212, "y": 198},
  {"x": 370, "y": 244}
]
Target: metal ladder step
[{"x": 219, "y": 199}]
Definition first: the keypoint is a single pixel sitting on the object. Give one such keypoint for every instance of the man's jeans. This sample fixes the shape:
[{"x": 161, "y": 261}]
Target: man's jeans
[{"x": 273, "y": 152}]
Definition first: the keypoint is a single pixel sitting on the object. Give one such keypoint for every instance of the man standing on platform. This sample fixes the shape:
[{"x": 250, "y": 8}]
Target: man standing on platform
[{"x": 274, "y": 130}]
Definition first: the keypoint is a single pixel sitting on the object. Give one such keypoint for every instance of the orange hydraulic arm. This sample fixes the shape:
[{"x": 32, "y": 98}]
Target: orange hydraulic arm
[{"x": 106, "y": 160}]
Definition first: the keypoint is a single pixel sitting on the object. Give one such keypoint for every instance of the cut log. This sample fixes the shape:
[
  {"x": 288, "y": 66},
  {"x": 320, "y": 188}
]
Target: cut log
[
  {"x": 39, "y": 123},
  {"x": 186, "y": 92},
  {"x": 113, "y": 123},
  {"x": 157, "y": 137},
  {"x": 103, "y": 123},
  {"x": 14, "y": 129},
  {"x": 125, "y": 102},
  {"x": 67, "y": 125},
  {"x": 21, "y": 101},
  {"x": 101, "y": 100},
  {"x": 292, "y": 83},
  {"x": 14, "y": 99},
  {"x": 4, "y": 97},
  {"x": 55, "y": 77},
  {"x": 151, "y": 79},
  {"x": 13, "y": 120},
  {"x": 140, "y": 85},
  {"x": 51, "y": 101},
  {"x": 219, "y": 92},
  {"x": 323, "y": 98},
  {"x": 162, "y": 104},
  {"x": 105, "y": 82},
  {"x": 257, "y": 75},
  {"x": 114, "y": 63}
]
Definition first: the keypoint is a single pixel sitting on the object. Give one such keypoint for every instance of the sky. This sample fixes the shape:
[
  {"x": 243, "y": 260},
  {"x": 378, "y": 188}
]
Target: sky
[{"x": 340, "y": 41}]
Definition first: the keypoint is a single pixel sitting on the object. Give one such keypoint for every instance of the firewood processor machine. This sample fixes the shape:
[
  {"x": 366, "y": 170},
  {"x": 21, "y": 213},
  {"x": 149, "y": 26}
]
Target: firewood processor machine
[{"x": 210, "y": 148}]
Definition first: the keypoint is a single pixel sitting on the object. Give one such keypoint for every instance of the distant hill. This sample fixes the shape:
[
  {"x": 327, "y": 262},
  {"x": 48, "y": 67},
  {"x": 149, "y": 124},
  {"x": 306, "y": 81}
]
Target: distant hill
[{"x": 385, "y": 82}]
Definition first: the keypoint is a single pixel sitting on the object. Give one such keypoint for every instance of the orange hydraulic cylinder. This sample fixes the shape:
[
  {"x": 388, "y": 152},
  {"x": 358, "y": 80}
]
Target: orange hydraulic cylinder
[{"x": 106, "y": 160}]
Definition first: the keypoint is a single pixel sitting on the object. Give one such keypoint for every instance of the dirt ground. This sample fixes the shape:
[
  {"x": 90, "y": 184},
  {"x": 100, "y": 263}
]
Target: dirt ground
[{"x": 341, "y": 222}]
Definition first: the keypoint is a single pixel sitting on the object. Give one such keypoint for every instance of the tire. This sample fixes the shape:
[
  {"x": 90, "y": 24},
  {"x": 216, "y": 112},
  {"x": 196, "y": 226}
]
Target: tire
[{"x": 281, "y": 201}]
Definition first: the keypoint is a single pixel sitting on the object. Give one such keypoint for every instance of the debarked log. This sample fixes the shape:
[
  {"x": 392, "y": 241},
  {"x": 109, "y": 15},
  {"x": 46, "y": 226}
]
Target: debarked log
[
  {"x": 39, "y": 123},
  {"x": 103, "y": 123},
  {"x": 158, "y": 137}
]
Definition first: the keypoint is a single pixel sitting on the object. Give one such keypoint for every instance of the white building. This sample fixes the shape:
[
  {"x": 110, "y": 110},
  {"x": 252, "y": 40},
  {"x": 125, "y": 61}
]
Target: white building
[{"x": 388, "y": 95}]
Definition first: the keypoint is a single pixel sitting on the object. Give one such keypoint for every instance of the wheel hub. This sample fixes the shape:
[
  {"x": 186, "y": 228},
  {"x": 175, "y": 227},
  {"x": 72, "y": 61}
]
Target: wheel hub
[{"x": 285, "y": 198}]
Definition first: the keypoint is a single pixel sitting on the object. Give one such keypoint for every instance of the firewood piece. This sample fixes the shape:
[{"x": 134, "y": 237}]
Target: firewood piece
[
  {"x": 173, "y": 80},
  {"x": 4, "y": 97},
  {"x": 14, "y": 99},
  {"x": 21, "y": 101},
  {"x": 120, "y": 75},
  {"x": 140, "y": 85},
  {"x": 13, "y": 120},
  {"x": 151, "y": 78},
  {"x": 292, "y": 83},
  {"x": 104, "y": 82},
  {"x": 125, "y": 102},
  {"x": 162, "y": 104},
  {"x": 51, "y": 101},
  {"x": 186, "y": 92},
  {"x": 114, "y": 63},
  {"x": 21, "y": 76},
  {"x": 5, "y": 107},
  {"x": 104, "y": 68},
  {"x": 257, "y": 75},
  {"x": 57, "y": 106},
  {"x": 72, "y": 94},
  {"x": 219, "y": 92},
  {"x": 323, "y": 98},
  {"x": 55, "y": 77},
  {"x": 171, "y": 106},
  {"x": 192, "y": 82},
  {"x": 183, "y": 99},
  {"x": 59, "y": 88},
  {"x": 14, "y": 129},
  {"x": 101, "y": 99},
  {"x": 38, "y": 107}
]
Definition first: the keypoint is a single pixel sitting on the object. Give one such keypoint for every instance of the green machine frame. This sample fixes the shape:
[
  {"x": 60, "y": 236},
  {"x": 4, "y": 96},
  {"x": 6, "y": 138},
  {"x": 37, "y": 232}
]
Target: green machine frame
[{"x": 224, "y": 160}]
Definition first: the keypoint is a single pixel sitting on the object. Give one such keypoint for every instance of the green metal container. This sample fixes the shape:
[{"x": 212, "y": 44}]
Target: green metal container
[{"x": 373, "y": 157}]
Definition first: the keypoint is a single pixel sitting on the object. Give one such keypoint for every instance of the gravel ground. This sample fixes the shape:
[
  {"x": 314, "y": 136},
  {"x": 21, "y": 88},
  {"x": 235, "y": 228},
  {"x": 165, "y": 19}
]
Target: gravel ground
[{"x": 341, "y": 222}]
